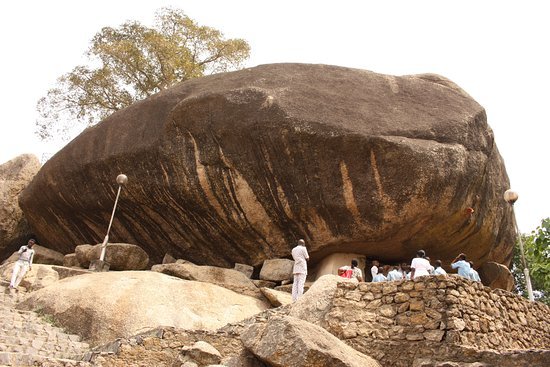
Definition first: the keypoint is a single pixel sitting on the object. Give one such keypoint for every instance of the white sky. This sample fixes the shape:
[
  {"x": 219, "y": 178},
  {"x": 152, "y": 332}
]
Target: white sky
[{"x": 495, "y": 50}]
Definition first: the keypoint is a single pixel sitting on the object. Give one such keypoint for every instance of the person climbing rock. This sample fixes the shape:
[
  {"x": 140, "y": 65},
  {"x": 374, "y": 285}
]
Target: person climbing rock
[{"x": 23, "y": 263}]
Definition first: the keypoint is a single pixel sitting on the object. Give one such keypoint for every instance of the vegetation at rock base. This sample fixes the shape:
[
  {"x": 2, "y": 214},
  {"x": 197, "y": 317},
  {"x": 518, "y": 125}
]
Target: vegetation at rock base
[
  {"x": 537, "y": 254},
  {"x": 132, "y": 62},
  {"x": 46, "y": 317}
]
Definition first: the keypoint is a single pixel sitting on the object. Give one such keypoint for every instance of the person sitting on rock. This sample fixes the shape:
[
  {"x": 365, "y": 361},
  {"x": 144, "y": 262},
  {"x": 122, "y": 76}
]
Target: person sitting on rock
[
  {"x": 462, "y": 265},
  {"x": 379, "y": 277},
  {"x": 23, "y": 263},
  {"x": 439, "y": 269},
  {"x": 474, "y": 275},
  {"x": 420, "y": 266},
  {"x": 394, "y": 274}
]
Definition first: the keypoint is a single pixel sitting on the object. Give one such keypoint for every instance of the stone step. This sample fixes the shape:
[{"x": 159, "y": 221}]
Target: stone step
[
  {"x": 18, "y": 344},
  {"x": 26, "y": 338},
  {"x": 25, "y": 359},
  {"x": 53, "y": 337}
]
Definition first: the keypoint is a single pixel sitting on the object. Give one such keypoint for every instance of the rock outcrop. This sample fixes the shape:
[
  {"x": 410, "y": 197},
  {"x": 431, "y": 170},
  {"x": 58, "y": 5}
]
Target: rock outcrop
[
  {"x": 276, "y": 298},
  {"x": 101, "y": 307},
  {"x": 235, "y": 167},
  {"x": 120, "y": 256},
  {"x": 496, "y": 275},
  {"x": 277, "y": 270},
  {"x": 227, "y": 278},
  {"x": 287, "y": 341},
  {"x": 15, "y": 175}
]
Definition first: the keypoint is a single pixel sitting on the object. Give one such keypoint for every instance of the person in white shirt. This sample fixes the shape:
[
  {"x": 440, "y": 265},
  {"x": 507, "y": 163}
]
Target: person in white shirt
[
  {"x": 474, "y": 275},
  {"x": 438, "y": 269},
  {"x": 300, "y": 256},
  {"x": 374, "y": 269},
  {"x": 420, "y": 266},
  {"x": 23, "y": 263}
]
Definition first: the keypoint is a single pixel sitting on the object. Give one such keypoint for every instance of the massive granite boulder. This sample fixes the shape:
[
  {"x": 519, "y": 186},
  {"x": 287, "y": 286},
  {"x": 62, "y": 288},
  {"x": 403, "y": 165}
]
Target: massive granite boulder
[
  {"x": 15, "y": 175},
  {"x": 235, "y": 167}
]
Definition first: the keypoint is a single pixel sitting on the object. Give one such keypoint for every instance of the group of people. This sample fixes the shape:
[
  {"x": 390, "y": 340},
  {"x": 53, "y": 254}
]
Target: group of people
[{"x": 421, "y": 266}]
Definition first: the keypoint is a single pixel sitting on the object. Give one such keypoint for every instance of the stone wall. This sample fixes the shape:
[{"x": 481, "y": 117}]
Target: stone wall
[{"x": 436, "y": 317}]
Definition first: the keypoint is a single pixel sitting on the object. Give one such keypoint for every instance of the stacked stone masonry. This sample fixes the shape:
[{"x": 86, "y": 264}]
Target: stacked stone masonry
[{"x": 437, "y": 317}]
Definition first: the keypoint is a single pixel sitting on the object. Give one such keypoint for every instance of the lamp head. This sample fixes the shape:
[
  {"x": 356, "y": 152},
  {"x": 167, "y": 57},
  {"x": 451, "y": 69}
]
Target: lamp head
[
  {"x": 510, "y": 196},
  {"x": 121, "y": 179}
]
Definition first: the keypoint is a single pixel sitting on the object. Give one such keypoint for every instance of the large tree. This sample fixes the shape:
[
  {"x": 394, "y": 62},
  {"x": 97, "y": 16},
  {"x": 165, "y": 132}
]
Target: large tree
[
  {"x": 132, "y": 62},
  {"x": 537, "y": 254}
]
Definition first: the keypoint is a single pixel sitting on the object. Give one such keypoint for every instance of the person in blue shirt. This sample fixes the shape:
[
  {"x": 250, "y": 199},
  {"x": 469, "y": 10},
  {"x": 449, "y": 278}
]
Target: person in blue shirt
[
  {"x": 379, "y": 277},
  {"x": 394, "y": 274},
  {"x": 462, "y": 265}
]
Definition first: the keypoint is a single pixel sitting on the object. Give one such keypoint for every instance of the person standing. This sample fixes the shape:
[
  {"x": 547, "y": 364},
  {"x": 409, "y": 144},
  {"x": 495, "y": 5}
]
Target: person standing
[
  {"x": 420, "y": 266},
  {"x": 23, "y": 263},
  {"x": 462, "y": 265},
  {"x": 300, "y": 256}
]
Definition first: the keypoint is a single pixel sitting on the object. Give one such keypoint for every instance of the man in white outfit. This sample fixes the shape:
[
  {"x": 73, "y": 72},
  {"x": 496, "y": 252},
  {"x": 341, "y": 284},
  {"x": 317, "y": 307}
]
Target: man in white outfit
[
  {"x": 23, "y": 264},
  {"x": 300, "y": 256}
]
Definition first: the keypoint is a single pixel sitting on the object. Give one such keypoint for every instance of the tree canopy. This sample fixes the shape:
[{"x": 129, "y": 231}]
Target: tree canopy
[
  {"x": 132, "y": 62},
  {"x": 537, "y": 254}
]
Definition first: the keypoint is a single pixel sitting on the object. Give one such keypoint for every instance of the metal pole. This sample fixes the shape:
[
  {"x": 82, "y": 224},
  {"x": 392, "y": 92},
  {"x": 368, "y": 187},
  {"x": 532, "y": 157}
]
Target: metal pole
[
  {"x": 511, "y": 197},
  {"x": 523, "y": 260},
  {"x": 106, "y": 239},
  {"x": 121, "y": 180}
]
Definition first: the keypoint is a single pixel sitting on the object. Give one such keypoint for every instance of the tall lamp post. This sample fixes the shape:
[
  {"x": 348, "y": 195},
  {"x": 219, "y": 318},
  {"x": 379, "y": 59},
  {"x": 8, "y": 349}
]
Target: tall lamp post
[
  {"x": 121, "y": 181},
  {"x": 511, "y": 197}
]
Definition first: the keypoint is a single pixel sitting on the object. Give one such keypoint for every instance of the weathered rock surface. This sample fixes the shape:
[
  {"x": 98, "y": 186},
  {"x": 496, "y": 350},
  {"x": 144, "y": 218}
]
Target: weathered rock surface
[
  {"x": 314, "y": 305},
  {"x": 245, "y": 269},
  {"x": 235, "y": 167},
  {"x": 83, "y": 255},
  {"x": 15, "y": 175},
  {"x": 46, "y": 256},
  {"x": 202, "y": 353},
  {"x": 276, "y": 298},
  {"x": 496, "y": 275},
  {"x": 101, "y": 307},
  {"x": 290, "y": 342},
  {"x": 277, "y": 270},
  {"x": 70, "y": 261},
  {"x": 120, "y": 256},
  {"x": 227, "y": 278}
]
